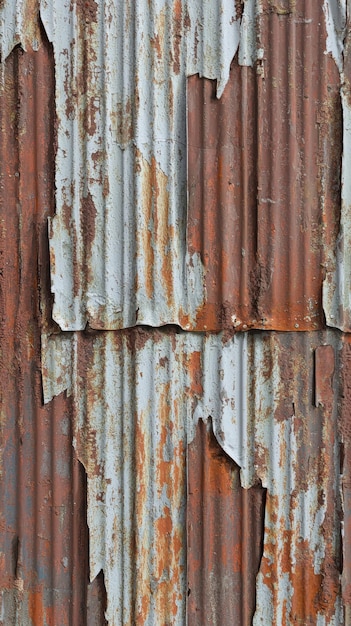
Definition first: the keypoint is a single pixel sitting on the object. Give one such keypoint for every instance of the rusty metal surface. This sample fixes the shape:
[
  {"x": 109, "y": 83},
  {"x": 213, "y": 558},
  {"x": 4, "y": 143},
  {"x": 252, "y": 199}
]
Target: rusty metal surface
[
  {"x": 264, "y": 177},
  {"x": 44, "y": 541},
  {"x": 345, "y": 469},
  {"x": 263, "y": 165},
  {"x": 337, "y": 285},
  {"x": 119, "y": 254},
  {"x": 225, "y": 525},
  {"x": 138, "y": 397},
  {"x": 210, "y": 476}
]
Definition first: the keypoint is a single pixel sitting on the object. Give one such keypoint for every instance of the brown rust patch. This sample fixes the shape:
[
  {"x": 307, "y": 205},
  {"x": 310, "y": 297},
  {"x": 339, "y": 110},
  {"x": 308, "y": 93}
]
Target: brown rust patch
[
  {"x": 177, "y": 29},
  {"x": 32, "y": 32},
  {"x": 122, "y": 119},
  {"x": 156, "y": 233},
  {"x": 282, "y": 7},
  {"x": 324, "y": 373},
  {"x": 88, "y": 214},
  {"x": 45, "y": 509},
  {"x": 89, "y": 9}
]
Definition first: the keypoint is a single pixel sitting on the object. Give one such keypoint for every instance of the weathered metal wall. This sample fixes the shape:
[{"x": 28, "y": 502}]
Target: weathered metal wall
[
  {"x": 273, "y": 400},
  {"x": 184, "y": 165},
  {"x": 44, "y": 537},
  {"x": 264, "y": 172}
]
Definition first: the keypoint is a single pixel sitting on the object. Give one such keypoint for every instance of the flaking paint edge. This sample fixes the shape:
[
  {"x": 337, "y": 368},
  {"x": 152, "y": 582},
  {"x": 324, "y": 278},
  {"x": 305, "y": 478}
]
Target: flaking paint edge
[
  {"x": 236, "y": 408},
  {"x": 199, "y": 56},
  {"x": 337, "y": 284}
]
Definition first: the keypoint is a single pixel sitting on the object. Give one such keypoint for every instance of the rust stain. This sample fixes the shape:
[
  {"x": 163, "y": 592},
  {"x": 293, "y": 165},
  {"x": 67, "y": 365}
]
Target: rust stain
[
  {"x": 32, "y": 34},
  {"x": 157, "y": 233},
  {"x": 89, "y": 9},
  {"x": 36, "y": 610},
  {"x": 281, "y": 7},
  {"x": 177, "y": 13},
  {"x": 345, "y": 468},
  {"x": 122, "y": 121},
  {"x": 324, "y": 372},
  {"x": 88, "y": 214},
  {"x": 194, "y": 368}
]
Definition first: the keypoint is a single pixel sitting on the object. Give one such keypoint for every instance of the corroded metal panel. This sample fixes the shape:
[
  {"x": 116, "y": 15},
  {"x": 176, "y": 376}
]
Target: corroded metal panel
[
  {"x": 18, "y": 26},
  {"x": 119, "y": 254},
  {"x": 263, "y": 164},
  {"x": 337, "y": 285},
  {"x": 225, "y": 526},
  {"x": 44, "y": 541},
  {"x": 264, "y": 176},
  {"x": 139, "y": 396}
]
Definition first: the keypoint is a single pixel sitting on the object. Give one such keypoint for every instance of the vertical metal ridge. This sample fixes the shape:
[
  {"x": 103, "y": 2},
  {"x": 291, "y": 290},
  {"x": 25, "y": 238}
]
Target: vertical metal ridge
[
  {"x": 40, "y": 512},
  {"x": 225, "y": 536}
]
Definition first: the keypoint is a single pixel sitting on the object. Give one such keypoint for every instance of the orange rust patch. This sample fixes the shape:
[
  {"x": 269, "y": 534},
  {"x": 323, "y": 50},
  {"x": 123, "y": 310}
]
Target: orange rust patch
[
  {"x": 193, "y": 364},
  {"x": 156, "y": 234},
  {"x": 306, "y": 600},
  {"x": 35, "y": 607}
]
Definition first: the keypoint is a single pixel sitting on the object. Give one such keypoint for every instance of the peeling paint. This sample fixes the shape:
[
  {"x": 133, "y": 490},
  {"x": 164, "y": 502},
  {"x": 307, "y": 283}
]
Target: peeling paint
[
  {"x": 337, "y": 284},
  {"x": 18, "y": 25},
  {"x": 139, "y": 396},
  {"x": 114, "y": 128}
]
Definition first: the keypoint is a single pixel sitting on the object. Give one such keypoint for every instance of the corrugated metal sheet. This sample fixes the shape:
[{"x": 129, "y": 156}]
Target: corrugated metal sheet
[
  {"x": 225, "y": 536},
  {"x": 44, "y": 540},
  {"x": 138, "y": 397},
  {"x": 212, "y": 470},
  {"x": 119, "y": 253},
  {"x": 337, "y": 287},
  {"x": 124, "y": 251},
  {"x": 264, "y": 176},
  {"x": 346, "y": 474}
]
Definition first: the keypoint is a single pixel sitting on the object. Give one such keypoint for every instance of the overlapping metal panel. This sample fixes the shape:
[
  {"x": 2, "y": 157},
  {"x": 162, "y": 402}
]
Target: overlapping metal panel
[
  {"x": 44, "y": 539},
  {"x": 225, "y": 536},
  {"x": 138, "y": 396},
  {"x": 217, "y": 466}
]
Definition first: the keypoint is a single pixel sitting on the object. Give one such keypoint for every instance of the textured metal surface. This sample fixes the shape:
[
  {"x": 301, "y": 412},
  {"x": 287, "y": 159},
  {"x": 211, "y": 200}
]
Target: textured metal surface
[
  {"x": 139, "y": 395},
  {"x": 119, "y": 254},
  {"x": 345, "y": 431},
  {"x": 44, "y": 541},
  {"x": 18, "y": 26},
  {"x": 264, "y": 176},
  {"x": 337, "y": 286},
  {"x": 213, "y": 479},
  {"x": 265, "y": 156},
  {"x": 225, "y": 536}
]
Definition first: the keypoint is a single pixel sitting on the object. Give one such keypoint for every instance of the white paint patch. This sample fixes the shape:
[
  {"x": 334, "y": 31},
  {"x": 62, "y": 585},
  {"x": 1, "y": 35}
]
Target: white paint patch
[{"x": 122, "y": 144}]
